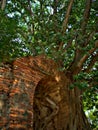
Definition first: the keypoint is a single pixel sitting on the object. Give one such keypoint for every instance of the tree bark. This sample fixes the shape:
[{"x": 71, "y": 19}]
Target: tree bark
[
  {"x": 3, "y": 4},
  {"x": 34, "y": 95}
]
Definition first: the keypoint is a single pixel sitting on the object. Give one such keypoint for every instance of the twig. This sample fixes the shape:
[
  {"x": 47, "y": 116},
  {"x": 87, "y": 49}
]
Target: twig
[{"x": 28, "y": 8}]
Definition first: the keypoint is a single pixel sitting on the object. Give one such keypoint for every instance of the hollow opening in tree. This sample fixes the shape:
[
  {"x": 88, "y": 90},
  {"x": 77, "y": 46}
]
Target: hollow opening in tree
[{"x": 46, "y": 98}]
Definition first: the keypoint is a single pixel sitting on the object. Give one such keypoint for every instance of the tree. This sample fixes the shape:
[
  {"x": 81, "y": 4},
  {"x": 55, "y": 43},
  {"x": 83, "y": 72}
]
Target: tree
[{"x": 65, "y": 31}]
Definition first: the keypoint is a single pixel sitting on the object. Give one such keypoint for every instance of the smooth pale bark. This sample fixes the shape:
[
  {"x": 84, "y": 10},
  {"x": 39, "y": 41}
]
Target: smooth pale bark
[
  {"x": 3, "y": 4},
  {"x": 34, "y": 95}
]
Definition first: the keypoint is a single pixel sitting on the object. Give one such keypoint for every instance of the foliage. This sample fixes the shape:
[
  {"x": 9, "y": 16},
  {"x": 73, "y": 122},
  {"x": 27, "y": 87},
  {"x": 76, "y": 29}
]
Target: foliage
[
  {"x": 91, "y": 100},
  {"x": 91, "y": 106},
  {"x": 33, "y": 27},
  {"x": 11, "y": 46}
]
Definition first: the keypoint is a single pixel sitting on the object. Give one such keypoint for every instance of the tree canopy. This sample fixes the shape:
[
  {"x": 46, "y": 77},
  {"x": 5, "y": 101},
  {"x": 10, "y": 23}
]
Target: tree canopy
[{"x": 64, "y": 30}]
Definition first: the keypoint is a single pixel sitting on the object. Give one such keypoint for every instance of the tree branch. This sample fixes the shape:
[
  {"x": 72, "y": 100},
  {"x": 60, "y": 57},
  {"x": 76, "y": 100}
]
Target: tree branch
[
  {"x": 78, "y": 61},
  {"x": 29, "y": 9},
  {"x": 65, "y": 22},
  {"x": 84, "y": 58},
  {"x": 86, "y": 15},
  {"x": 92, "y": 62},
  {"x": 55, "y": 7},
  {"x": 90, "y": 36}
]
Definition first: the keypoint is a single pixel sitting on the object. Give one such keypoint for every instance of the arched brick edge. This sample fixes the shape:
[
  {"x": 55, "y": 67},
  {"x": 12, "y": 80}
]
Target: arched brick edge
[{"x": 18, "y": 81}]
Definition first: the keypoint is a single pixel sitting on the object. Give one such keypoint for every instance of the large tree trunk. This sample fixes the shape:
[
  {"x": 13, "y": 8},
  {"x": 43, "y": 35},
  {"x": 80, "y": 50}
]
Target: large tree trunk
[{"x": 34, "y": 95}]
